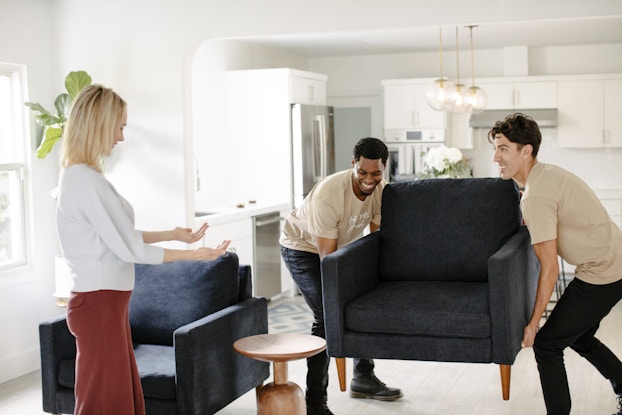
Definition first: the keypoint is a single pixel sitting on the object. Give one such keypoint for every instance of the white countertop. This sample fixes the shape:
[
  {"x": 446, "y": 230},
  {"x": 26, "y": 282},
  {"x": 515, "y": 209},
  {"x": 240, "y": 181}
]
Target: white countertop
[{"x": 225, "y": 213}]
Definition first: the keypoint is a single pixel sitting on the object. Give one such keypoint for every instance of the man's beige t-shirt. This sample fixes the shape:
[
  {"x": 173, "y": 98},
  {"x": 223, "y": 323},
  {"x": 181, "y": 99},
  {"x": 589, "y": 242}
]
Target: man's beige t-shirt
[
  {"x": 331, "y": 210},
  {"x": 558, "y": 205}
]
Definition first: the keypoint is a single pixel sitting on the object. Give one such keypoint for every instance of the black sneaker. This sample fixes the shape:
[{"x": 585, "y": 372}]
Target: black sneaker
[
  {"x": 371, "y": 387},
  {"x": 318, "y": 409},
  {"x": 619, "y": 398}
]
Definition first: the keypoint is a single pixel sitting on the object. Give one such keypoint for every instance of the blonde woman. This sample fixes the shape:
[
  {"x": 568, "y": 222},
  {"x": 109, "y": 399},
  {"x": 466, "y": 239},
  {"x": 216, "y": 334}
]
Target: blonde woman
[{"x": 100, "y": 244}]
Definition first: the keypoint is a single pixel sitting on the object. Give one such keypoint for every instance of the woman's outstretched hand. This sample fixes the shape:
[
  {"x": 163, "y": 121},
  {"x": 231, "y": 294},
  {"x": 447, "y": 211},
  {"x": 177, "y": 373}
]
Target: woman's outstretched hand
[
  {"x": 188, "y": 236},
  {"x": 210, "y": 254}
]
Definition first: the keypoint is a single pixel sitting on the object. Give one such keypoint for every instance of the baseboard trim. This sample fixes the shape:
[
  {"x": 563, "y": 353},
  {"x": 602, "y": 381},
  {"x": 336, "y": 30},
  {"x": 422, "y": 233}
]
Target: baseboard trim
[{"x": 19, "y": 364}]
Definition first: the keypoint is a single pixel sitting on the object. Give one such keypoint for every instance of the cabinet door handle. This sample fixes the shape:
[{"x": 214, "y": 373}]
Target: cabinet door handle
[{"x": 268, "y": 222}]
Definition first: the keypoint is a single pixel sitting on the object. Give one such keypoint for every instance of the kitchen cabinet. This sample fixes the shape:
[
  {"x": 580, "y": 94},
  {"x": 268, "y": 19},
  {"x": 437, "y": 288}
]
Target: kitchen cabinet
[
  {"x": 240, "y": 232},
  {"x": 520, "y": 95},
  {"x": 614, "y": 208},
  {"x": 305, "y": 89},
  {"x": 405, "y": 107},
  {"x": 589, "y": 113},
  {"x": 612, "y": 202},
  {"x": 258, "y": 124},
  {"x": 236, "y": 224}
]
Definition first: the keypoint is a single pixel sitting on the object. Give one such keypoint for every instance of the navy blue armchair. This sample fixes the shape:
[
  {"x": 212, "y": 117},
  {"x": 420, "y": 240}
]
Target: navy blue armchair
[
  {"x": 451, "y": 276},
  {"x": 184, "y": 317}
]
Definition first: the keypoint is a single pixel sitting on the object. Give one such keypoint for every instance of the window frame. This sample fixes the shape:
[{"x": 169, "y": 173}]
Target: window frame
[{"x": 20, "y": 163}]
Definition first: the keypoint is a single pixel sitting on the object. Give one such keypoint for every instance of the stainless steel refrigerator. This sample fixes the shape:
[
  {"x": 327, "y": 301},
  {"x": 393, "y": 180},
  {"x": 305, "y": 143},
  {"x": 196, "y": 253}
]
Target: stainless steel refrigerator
[{"x": 313, "y": 148}]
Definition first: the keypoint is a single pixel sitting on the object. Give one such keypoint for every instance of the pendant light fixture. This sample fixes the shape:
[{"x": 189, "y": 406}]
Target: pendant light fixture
[
  {"x": 477, "y": 97},
  {"x": 441, "y": 92},
  {"x": 461, "y": 101}
]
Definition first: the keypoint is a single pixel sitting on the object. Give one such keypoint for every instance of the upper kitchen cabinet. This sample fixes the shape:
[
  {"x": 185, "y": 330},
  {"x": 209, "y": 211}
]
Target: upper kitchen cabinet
[
  {"x": 589, "y": 113},
  {"x": 405, "y": 106},
  {"x": 307, "y": 88},
  {"x": 517, "y": 95},
  {"x": 300, "y": 87},
  {"x": 257, "y": 123}
]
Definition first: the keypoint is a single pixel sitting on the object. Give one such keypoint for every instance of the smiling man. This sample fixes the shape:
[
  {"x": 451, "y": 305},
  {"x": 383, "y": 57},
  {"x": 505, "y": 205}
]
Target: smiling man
[
  {"x": 564, "y": 218},
  {"x": 335, "y": 213}
]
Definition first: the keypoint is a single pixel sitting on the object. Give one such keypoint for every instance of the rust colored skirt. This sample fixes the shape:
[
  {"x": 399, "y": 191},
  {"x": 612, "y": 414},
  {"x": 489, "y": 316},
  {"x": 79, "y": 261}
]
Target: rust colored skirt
[{"x": 107, "y": 380}]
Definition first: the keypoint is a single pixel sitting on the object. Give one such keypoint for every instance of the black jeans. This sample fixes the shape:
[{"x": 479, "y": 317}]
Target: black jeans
[
  {"x": 306, "y": 272},
  {"x": 573, "y": 323}
]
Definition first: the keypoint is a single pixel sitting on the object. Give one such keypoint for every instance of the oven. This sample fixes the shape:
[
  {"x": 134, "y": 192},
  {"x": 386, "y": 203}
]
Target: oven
[{"x": 406, "y": 151}]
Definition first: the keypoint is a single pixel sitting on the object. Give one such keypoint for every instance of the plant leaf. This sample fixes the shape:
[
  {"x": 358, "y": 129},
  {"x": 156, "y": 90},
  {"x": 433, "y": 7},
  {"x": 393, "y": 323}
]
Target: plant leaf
[
  {"x": 76, "y": 81},
  {"x": 63, "y": 105},
  {"x": 47, "y": 119},
  {"x": 50, "y": 136},
  {"x": 35, "y": 106}
]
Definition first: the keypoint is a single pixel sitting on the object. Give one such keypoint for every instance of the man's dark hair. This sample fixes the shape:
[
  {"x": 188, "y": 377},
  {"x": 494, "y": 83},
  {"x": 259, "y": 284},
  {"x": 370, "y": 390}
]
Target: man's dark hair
[
  {"x": 520, "y": 129},
  {"x": 371, "y": 148}
]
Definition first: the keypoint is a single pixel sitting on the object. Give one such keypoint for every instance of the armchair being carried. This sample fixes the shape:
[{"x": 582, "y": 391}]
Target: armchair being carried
[{"x": 451, "y": 276}]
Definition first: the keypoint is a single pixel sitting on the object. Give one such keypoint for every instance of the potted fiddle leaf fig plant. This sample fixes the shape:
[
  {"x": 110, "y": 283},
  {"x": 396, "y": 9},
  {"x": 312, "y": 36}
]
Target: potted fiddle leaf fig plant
[{"x": 53, "y": 124}]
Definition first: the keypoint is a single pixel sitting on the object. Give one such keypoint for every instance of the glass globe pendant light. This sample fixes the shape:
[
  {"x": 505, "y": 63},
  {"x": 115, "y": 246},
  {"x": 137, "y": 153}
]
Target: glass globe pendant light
[
  {"x": 441, "y": 91},
  {"x": 477, "y": 96},
  {"x": 461, "y": 99}
]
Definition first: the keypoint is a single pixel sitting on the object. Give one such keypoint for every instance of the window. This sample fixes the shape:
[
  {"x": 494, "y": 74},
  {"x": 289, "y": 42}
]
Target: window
[{"x": 12, "y": 146}]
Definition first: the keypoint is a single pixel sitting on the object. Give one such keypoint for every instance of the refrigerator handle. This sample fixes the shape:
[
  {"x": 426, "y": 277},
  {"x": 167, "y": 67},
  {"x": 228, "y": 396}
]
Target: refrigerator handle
[
  {"x": 323, "y": 144},
  {"x": 318, "y": 148}
]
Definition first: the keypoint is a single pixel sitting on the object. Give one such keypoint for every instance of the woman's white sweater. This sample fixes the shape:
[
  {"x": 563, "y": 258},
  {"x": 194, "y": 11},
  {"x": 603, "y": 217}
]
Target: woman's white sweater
[{"x": 96, "y": 231}]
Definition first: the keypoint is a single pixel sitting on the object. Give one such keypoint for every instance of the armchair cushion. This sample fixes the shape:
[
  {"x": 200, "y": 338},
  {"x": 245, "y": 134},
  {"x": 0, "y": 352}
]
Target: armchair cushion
[
  {"x": 412, "y": 308},
  {"x": 156, "y": 367},
  {"x": 208, "y": 286},
  {"x": 424, "y": 220}
]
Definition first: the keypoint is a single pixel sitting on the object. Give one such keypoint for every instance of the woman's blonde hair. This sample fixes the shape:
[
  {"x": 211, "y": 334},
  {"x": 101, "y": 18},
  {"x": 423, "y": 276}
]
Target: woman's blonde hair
[{"x": 95, "y": 117}]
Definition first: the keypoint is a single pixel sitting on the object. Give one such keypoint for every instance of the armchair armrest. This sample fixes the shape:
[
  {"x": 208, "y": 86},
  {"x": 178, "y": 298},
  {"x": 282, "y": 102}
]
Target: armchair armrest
[
  {"x": 56, "y": 343},
  {"x": 246, "y": 283},
  {"x": 513, "y": 273},
  {"x": 210, "y": 373},
  {"x": 347, "y": 274}
]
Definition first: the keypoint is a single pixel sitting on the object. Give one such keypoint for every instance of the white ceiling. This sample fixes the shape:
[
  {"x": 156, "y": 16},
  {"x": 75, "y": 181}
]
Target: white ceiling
[{"x": 580, "y": 31}]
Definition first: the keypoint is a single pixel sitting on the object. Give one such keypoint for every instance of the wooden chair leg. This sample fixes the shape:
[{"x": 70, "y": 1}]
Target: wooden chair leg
[
  {"x": 341, "y": 372},
  {"x": 505, "y": 380}
]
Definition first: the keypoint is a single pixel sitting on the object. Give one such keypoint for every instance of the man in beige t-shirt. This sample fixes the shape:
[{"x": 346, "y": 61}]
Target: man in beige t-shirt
[
  {"x": 335, "y": 213},
  {"x": 566, "y": 219}
]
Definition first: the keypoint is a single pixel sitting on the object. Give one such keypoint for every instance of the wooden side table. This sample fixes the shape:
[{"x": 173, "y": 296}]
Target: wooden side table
[{"x": 280, "y": 396}]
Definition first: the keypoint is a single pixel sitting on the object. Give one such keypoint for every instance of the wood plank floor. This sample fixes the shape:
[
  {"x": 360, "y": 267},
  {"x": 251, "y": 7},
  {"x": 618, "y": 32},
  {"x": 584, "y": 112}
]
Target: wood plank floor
[{"x": 429, "y": 387}]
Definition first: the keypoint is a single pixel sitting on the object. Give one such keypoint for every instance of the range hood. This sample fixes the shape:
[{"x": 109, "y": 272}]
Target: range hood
[{"x": 488, "y": 118}]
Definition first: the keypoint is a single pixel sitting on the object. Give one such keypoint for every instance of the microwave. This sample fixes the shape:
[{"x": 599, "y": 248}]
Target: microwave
[{"x": 415, "y": 136}]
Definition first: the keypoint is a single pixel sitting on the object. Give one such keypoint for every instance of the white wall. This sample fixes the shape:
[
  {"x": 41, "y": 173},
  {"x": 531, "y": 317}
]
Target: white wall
[
  {"x": 144, "y": 49},
  {"x": 26, "y": 296}
]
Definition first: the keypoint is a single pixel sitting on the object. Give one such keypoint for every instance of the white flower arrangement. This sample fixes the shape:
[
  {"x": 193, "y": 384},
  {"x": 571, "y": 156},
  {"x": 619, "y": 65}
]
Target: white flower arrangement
[{"x": 444, "y": 162}]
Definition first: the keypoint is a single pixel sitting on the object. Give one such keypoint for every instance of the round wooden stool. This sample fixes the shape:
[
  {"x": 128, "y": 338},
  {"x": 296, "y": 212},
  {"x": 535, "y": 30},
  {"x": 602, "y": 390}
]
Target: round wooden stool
[{"x": 280, "y": 396}]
